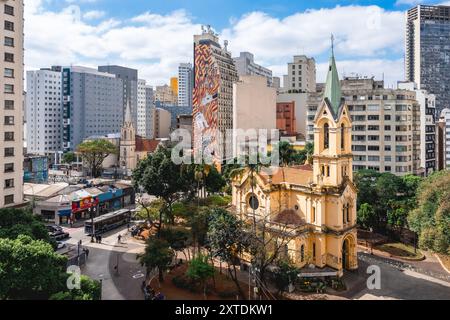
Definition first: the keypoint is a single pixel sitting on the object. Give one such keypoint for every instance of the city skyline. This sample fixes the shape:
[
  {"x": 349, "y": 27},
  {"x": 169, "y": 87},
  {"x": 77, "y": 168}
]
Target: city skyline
[{"x": 100, "y": 34}]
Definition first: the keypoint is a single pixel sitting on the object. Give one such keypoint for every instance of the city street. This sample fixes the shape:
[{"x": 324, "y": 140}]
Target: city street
[
  {"x": 124, "y": 284},
  {"x": 396, "y": 283}
]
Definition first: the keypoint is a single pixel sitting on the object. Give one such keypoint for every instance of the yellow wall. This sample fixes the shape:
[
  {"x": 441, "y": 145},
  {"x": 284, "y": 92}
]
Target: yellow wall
[{"x": 174, "y": 85}]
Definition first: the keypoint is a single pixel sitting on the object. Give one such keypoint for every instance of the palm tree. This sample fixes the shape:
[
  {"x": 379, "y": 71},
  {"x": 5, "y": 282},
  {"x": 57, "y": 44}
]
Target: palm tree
[{"x": 286, "y": 152}]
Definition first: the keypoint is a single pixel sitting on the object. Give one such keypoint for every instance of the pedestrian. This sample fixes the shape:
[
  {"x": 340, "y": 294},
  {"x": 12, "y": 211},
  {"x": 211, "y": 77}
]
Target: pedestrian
[
  {"x": 96, "y": 238},
  {"x": 100, "y": 239},
  {"x": 86, "y": 250},
  {"x": 119, "y": 237}
]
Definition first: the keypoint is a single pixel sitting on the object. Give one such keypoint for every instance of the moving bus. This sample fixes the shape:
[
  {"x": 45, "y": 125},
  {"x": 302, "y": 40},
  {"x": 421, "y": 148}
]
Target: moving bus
[{"x": 108, "y": 222}]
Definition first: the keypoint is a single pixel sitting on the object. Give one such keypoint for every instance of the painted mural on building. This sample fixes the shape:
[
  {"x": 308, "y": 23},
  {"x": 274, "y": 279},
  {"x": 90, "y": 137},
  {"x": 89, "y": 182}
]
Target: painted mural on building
[{"x": 205, "y": 102}]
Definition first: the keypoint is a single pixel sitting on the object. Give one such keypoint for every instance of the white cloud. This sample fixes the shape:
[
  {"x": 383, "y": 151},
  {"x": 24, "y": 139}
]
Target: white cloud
[
  {"x": 94, "y": 14},
  {"x": 366, "y": 39}
]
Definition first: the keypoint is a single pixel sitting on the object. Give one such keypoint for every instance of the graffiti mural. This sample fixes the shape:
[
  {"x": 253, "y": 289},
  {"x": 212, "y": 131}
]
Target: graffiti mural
[{"x": 205, "y": 102}]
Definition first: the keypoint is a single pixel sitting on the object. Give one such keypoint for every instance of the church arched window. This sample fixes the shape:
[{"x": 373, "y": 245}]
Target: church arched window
[
  {"x": 302, "y": 253},
  {"x": 342, "y": 136},
  {"x": 326, "y": 136}
]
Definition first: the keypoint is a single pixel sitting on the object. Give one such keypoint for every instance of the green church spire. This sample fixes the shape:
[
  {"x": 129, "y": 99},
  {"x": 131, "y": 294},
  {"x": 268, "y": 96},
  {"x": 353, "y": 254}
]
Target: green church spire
[{"x": 333, "y": 85}]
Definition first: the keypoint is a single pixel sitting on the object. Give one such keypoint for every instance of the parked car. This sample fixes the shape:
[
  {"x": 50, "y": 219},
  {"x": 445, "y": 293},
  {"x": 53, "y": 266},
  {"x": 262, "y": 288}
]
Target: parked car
[
  {"x": 57, "y": 233},
  {"x": 60, "y": 245}
]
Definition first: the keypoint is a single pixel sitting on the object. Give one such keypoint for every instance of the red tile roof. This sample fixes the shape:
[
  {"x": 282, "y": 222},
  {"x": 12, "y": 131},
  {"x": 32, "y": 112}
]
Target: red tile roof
[{"x": 147, "y": 145}]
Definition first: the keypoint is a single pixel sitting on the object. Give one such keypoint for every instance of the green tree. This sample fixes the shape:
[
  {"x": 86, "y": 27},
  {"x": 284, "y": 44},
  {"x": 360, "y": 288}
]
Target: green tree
[
  {"x": 287, "y": 153},
  {"x": 94, "y": 152},
  {"x": 158, "y": 175},
  {"x": 431, "y": 217},
  {"x": 15, "y": 222},
  {"x": 285, "y": 274},
  {"x": 367, "y": 216},
  {"x": 29, "y": 269},
  {"x": 226, "y": 240},
  {"x": 89, "y": 290},
  {"x": 200, "y": 270},
  {"x": 68, "y": 157},
  {"x": 157, "y": 255}
]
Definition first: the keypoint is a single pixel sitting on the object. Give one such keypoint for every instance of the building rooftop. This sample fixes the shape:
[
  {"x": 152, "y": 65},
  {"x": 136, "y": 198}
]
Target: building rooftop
[
  {"x": 298, "y": 175},
  {"x": 147, "y": 145}
]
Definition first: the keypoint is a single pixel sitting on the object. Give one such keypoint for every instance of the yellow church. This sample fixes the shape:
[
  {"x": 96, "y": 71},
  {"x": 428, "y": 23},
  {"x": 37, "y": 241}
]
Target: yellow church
[{"x": 316, "y": 203}]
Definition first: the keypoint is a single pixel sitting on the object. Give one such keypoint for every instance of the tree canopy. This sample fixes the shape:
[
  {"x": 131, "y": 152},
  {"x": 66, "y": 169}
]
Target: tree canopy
[
  {"x": 94, "y": 152},
  {"x": 431, "y": 217},
  {"x": 29, "y": 269}
]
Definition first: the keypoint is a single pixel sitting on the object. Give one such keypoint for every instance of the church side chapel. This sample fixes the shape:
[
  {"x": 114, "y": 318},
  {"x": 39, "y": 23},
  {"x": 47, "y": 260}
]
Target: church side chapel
[{"x": 315, "y": 202}]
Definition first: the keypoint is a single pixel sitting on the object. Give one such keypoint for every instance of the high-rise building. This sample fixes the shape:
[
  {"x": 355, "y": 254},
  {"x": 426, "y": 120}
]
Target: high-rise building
[
  {"x": 161, "y": 123},
  {"x": 165, "y": 94},
  {"x": 427, "y": 103},
  {"x": 286, "y": 121},
  {"x": 174, "y": 86},
  {"x": 130, "y": 86},
  {"x": 276, "y": 82},
  {"x": 185, "y": 84},
  {"x": 427, "y": 51},
  {"x": 386, "y": 133},
  {"x": 149, "y": 105},
  {"x": 443, "y": 140},
  {"x": 254, "y": 108},
  {"x": 144, "y": 110},
  {"x": 92, "y": 104},
  {"x": 44, "y": 112},
  {"x": 11, "y": 135},
  {"x": 246, "y": 66},
  {"x": 214, "y": 74},
  {"x": 301, "y": 75}
]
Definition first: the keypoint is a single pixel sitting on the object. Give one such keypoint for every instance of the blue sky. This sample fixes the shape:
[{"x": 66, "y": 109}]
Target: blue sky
[{"x": 155, "y": 35}]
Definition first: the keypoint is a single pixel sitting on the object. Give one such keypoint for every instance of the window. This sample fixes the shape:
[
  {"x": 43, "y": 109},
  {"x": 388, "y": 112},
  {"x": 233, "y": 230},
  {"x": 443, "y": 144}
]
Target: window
[
  {"x": 9, "y": 25},
  {"x": 253, "y": 202},
  {"x": 9, "y": 10},
  {"x": 9, "y": 136},
  {"x": 9, "y": 73},
  {"x": 9, "y": 120},
  {"x": 9, "y": 104},
  {"x": 9, "y": 57},
  {"x": 9, "y": 183},
  {"x": 326, "y": 133},
  {"x": 314, "y": 250},
  {"x": 9, "y": 88},
  {"x": 342, "y": 136},
  {"x": 387, "y": 117},
  {"x": 302, "y": 253},
  {"x": 313, "y": 214},
  {"x": 9, "y": 199},
  {"x": 9, "y": 42},
  {"x": 373, "y": 117},
  {"x": 9, "y": 152},
  {"x": 9, "y": 167}
]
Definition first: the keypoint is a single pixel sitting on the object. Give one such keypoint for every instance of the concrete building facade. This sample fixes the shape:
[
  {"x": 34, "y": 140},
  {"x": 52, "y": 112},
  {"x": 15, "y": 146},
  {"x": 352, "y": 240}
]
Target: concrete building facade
[
  {"x": 301, "y": 75},
  {"x": 254, "y": 107},
  {"x": 427, "y": 51},
  {"x": 286, "y": 121},
  {"x": 164, "y": 94},
  {"x": 92, "y": 104},
  {"x": 386, "y": 126},
  {"x": 44, "y": 112},
  {"x": 443, "y": 140},
  {"x": 214, "y": 75},
  {"x": 130, "y": 87},
  {"x": 427, "y": 103},
  {"x": 11, "y": 96},
  {"x": 144, "y": 110},
  {"x": 185, "y": 84},
  {"x": 246, "y": 66},
  {"x": 161, "y": 123}
]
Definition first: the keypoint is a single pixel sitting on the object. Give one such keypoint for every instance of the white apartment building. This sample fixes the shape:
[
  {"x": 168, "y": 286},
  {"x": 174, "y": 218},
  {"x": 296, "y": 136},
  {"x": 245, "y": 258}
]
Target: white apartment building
[
  {"x": 44, "y": 112},
  {"x": 427, "y": 104},
  {"x": 11, "y": 95},
  {"x": 246, "y": 66},
  {"x": 144, "y": 110},
  {"x": 386, "y": 126},
  {"x": 301, "y": 75},
  {"x": 185, "y": 84}
]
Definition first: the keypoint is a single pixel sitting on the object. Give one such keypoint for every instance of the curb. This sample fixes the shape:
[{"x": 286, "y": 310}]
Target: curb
[{"x": 440, "y": 262}]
